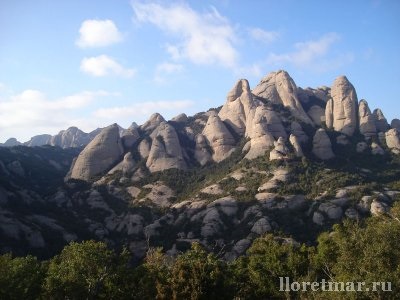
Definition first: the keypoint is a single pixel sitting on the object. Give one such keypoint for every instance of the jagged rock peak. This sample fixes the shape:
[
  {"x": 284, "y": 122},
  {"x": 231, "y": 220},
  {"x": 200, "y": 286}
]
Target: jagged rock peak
[
  {"x": 392, "y": 137},
  {"x": 241, "y": 86},
  {"x": 72, "y": 137},
  {"x": 181, "y": 118},
  {"x": 165, "y": 152},
  {"x": 99, "y": 155},
  {"x": 239, "y": 103},
  {"x": 395, "y": 124},
  {"x": 341, "y": 112},
  {"x": 367, "y": 120},
  {"x": 279, "y": 88},
  {"x": 154, "y": 121},
  {"x": 380, "y": 120},
  {"x": 11, "y": 142},
  {"x": 38, "y": 140}
]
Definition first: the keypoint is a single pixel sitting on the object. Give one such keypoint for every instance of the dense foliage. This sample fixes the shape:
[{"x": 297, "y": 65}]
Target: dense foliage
[{"x": 367, "y": 251}]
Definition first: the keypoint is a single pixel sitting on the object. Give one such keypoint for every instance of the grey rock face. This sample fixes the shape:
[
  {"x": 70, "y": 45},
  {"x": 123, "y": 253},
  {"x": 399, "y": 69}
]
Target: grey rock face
[
  {"x": 376, "y": 149},
  {"x": 393, "y": 139},
  {"x": 317, "y": 114},
  {"x": 181, "y": 118},
  {"x": 11, "y": 142},
  {"x": 378, "y": 207},
  {"x": 361, "y": 147},
  {"x": 237, "y": 107},
  {"x": 279, "y": 88},
  {"x": 280, "y": 150},
  {"x": 165, "y": 152},
  {"x": 154, "y": 121},
  {"x": 38, "y": 140},
  {"x": 218, "y": 138},
  {"x": 322, "y": 147},
  {"x": 294, "y": 141},
  {"x": 257, "y": 130},
  {"x": 129, "y": 138},
  {"x": 380, "y": 121},
  {"x": 99, "y": 155},
  {"x": 72, "y": 137},
  {"x": 261, "y": 226},
  {"x": 344, "y": 107},
  {"x": 202, "y": 152},
  {"x": 297, "y": 131},
  {"x": 395, "y": 124},
  {"x": 126, "y": 166},
  {"x": 367, "y": 120}
]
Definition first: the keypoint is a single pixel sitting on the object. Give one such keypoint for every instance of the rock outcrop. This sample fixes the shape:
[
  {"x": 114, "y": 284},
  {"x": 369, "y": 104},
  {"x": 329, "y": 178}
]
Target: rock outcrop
[
  {"x": 257, "y": 129},
  {"x": 322, "y": 147},
  {"x": 367, "y": 120},
  {"x": 72, "y": 137},
  {"x": 99, "y": 155},
  {"x": 294, "y": 141},
  {"x": 38, "y": 140},
  {"x": 380, "y": 121},
  {"x": 376, "y": 149},
  {"x": 126, "y": 166},
  {"x": 393, "y": 140},
  {"x": 395, "y": 124},
  {"x": 11, "y": 142},
  {"x": 341, "y": 111},
  {"x": 238, "y": 104},
  {"x": 203, "y": 151},
  {"x": 317, "y": 114},
  {"x": 165, "y": 152},
  {"x": 152, "y": 123},
  {"x": 218, "y": 138},
  {"x": 279, "y": 88},
  {"x": 280, "y": 150},
  {"x": 129, "y": 137}
]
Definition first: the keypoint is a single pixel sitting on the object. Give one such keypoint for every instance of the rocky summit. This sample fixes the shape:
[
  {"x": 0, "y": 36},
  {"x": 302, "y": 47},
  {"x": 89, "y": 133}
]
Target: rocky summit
[{"x": 275, "y": 158}]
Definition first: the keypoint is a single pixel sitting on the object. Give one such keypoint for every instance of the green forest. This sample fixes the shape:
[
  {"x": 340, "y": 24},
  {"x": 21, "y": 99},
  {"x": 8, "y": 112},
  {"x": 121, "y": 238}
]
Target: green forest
[{"x": 364, "y": 251}]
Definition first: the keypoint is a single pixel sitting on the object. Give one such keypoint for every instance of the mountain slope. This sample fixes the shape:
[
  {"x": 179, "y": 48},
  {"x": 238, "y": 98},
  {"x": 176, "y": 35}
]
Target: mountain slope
[{"x": 277, "y": 158}]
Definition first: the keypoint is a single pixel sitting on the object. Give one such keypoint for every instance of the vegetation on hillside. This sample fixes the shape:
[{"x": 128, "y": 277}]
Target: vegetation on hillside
[{"x": 90, "y": 270}]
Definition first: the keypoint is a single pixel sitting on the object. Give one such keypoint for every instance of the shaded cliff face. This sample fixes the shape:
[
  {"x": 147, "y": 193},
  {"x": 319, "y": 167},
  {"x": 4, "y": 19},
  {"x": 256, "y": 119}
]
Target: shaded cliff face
[{"x": 277, "y": 158}]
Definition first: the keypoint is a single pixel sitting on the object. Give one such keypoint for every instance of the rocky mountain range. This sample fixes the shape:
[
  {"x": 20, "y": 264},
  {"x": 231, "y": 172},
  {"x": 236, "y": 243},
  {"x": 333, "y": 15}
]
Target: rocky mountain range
[{"x": 275, "y": 158}]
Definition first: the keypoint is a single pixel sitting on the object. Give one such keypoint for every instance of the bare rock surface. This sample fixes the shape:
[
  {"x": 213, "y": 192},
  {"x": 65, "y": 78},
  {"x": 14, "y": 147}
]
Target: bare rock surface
[
  {"x": 99, "y": 155},
  {"x": 322, "y": 147}
]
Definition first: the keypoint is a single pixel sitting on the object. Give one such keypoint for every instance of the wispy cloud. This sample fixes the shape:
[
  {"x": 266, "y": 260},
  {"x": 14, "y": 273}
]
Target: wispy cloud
[
  {"x": 262, "y": 35},
  {"x": 202, "y": 38},
  {"x": 103, "y": 65},
  {"x": 313, "y": 55},
  {"x": 138, "y": 110},
  {"x": 98, "y": 33},
  {"x": 31, "y": 112},
  {"x": 164, "y": 71}
]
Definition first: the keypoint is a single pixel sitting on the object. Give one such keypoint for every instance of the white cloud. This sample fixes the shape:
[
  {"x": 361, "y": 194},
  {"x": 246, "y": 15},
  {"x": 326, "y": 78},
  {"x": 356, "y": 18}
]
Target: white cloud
[
  {"x": 254, "y": 70},
  {"x": 98, "y": 33},
  {"x": 262, "y": 35},
  {"x": 138, "y": 110},
  {"x": 206, "y": 38},
  {"x": 103, "y": 65},
  {"x": 165, "y": 70},
  {"x": 30, "y": 112},
  {"x": 306, "y": 53}
]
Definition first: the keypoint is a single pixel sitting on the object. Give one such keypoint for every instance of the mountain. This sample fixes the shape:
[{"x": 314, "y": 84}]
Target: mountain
[
  {"x": 11, "y": 142},
  {"x": 72, "y": 137},
  {"x": 276, "y": 158}
]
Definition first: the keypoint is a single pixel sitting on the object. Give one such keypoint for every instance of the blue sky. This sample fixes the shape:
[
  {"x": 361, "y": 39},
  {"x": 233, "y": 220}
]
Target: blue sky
[{"x": 92, "y": 63}]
